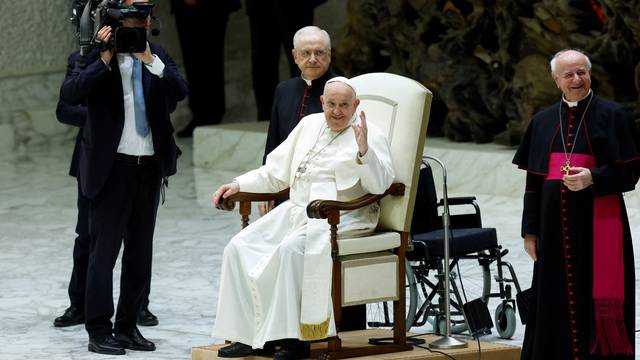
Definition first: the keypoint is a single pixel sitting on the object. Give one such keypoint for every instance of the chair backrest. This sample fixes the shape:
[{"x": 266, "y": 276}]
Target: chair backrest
[{"x": 398, "y": 107}]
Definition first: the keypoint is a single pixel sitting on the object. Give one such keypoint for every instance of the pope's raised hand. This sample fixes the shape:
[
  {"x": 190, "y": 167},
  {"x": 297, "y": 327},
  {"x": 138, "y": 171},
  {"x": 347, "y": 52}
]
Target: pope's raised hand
[{"x": 360, "y": 131}]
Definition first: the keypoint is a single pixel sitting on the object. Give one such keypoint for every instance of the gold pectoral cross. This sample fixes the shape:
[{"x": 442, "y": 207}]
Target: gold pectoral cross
[{"x": 566, "y": 167}]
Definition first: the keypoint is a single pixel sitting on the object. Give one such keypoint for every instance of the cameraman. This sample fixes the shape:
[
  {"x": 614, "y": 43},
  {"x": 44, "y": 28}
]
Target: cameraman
[
  {"x": 127, "y": 152},
  {"x": 75, "y": 116}
]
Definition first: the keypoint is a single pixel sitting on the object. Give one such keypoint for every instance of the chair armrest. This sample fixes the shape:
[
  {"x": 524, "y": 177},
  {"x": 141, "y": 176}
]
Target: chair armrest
[
  {"x": 463, "y": 200},
  {"x": 320, "y": 209},
  {"x": 230, "y": 202}
]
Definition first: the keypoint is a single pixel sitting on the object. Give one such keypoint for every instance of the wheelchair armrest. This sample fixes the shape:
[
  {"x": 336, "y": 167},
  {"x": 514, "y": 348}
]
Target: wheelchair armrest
[
  {"x": 464, "y": 220},
  {"x": 463, "y": 200},
  {"x": 230, "y": 202},
  {"x": 322, "y": 209}
]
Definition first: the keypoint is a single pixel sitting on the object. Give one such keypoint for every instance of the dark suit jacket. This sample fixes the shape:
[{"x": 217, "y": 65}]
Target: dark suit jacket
[
  {"x": 287, "y": 101},
  {"x": 74, "y": 115},
  {"x": 101, "y": 88}
]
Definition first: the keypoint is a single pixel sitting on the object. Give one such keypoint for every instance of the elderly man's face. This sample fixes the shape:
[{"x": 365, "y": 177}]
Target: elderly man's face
[
  {"x": 312, "y": 55},
  {"x": 339, "y": 104},
  {"x": 573, "y": 75}
]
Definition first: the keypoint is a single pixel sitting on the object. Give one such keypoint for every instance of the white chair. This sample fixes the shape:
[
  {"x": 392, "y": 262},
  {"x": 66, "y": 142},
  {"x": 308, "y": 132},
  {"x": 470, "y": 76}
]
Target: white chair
[{"x": 371, "y": 269}]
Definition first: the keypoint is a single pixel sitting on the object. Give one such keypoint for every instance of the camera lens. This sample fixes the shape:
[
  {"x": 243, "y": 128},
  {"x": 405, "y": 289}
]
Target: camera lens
[{"x": 130, "y": 39}]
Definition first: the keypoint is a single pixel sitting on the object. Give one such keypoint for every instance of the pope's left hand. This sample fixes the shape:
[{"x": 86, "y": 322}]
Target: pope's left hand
[
  {"x": 146, "y": 56},
  {"x": 360, "y": 131},
  {"x": 580, "y": 179}
]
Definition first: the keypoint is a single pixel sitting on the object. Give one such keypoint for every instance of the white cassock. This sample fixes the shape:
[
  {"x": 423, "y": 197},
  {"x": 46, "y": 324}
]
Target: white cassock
[{"x": 263, "y": 266}]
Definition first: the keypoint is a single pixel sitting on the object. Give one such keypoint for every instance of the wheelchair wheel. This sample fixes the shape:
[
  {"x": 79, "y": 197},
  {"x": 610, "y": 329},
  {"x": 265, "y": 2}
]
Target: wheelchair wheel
[
  {"x": 476, "y": 279},
  {"x": 381, "y": 314},
  {"x": 505, "y": 320}
]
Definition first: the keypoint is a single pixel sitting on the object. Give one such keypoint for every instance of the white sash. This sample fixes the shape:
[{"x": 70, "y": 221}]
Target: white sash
[{"x": 315, "y": 308}]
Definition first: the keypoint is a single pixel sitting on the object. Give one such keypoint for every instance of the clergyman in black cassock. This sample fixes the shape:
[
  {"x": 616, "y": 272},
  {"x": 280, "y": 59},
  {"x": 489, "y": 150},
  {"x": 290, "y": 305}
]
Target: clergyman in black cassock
[{"x": 581, "y": 154}]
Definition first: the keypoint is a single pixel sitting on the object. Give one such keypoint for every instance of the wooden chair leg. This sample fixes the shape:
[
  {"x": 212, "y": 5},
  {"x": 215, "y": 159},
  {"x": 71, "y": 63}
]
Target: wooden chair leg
[
  {"x": 245, "y": 211},
  {"x": 399, "y": 307},
  {"x": 335, "y": 344}
]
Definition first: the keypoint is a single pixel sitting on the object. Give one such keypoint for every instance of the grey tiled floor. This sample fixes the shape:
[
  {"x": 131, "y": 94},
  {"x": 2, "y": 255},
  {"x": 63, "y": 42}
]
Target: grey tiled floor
[{"x": 37, "y": 212}]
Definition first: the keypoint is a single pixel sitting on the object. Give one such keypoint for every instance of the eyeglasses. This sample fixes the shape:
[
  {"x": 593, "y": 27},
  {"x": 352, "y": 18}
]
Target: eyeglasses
[
  {"x": 305, "y": 54},
  {"x": 570, "y": 74}
]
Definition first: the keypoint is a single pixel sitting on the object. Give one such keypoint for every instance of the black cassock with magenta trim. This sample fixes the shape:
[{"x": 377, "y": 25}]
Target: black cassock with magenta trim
[{"x": 583, "y": 298}]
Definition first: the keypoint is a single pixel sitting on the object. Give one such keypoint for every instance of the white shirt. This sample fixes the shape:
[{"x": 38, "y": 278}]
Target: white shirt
[{"x": 132, "y": 143}]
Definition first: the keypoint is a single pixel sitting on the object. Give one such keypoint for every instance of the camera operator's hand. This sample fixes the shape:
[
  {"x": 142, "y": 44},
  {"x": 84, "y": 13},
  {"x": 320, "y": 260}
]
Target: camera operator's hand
[
  {"x": 104, "y": 34},
  {"x": 146, "y": 56}
]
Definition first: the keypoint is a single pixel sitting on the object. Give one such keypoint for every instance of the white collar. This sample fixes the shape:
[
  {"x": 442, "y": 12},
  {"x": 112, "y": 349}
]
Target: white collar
[{"x": 575, "y": 103}]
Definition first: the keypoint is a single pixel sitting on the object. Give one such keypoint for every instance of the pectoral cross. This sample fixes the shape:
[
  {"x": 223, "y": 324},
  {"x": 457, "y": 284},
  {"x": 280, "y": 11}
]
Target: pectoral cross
[
  {"x": 300, "y": 171},
  {"x": 566, "y": 167}
]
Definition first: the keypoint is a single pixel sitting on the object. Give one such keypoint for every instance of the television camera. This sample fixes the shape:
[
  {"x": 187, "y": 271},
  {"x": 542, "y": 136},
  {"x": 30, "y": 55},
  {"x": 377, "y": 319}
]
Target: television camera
[{"x": 89, "y": 16}]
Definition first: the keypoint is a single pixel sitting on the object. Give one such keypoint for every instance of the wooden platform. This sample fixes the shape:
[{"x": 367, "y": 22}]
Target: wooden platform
[{"x": 490, "y": 351}]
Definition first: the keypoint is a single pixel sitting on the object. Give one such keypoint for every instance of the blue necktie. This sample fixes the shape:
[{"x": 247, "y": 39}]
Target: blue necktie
[{"x": 138, "y": 99}]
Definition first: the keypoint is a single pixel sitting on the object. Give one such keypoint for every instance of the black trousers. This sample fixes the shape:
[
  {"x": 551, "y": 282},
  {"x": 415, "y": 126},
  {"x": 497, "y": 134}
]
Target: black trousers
[
  {"x": 354, "y": 318},
  {"x": 124, "y": 212},
  {"x": 78, "y": 281},
  {"x": 201, "y": 30},
  {"x": 273, "y": 26}
]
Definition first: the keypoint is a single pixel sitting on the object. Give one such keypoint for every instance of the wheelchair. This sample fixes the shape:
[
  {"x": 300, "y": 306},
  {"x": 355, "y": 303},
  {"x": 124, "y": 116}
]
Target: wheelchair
[{"x": 473, "y": 252}]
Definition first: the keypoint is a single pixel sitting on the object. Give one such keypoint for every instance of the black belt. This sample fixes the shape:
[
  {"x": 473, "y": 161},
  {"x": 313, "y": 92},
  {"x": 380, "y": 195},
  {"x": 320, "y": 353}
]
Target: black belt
[{"x": 135, "y": 160}]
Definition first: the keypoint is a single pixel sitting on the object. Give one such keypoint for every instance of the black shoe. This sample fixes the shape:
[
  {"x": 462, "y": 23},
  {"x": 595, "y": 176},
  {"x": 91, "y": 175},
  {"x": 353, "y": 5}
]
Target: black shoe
[
  {"x": 293, "y": 350},
  {"x": 146, "y": 318},
  {"x": 72, "y": 316},
  {"x": 235, "y": 350},
  {"x": 268, "y": 349},
  {"x": 187, "y": 131},
  {"x": 105, "y": 344},
  {"x": 133, "y": 340}
]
